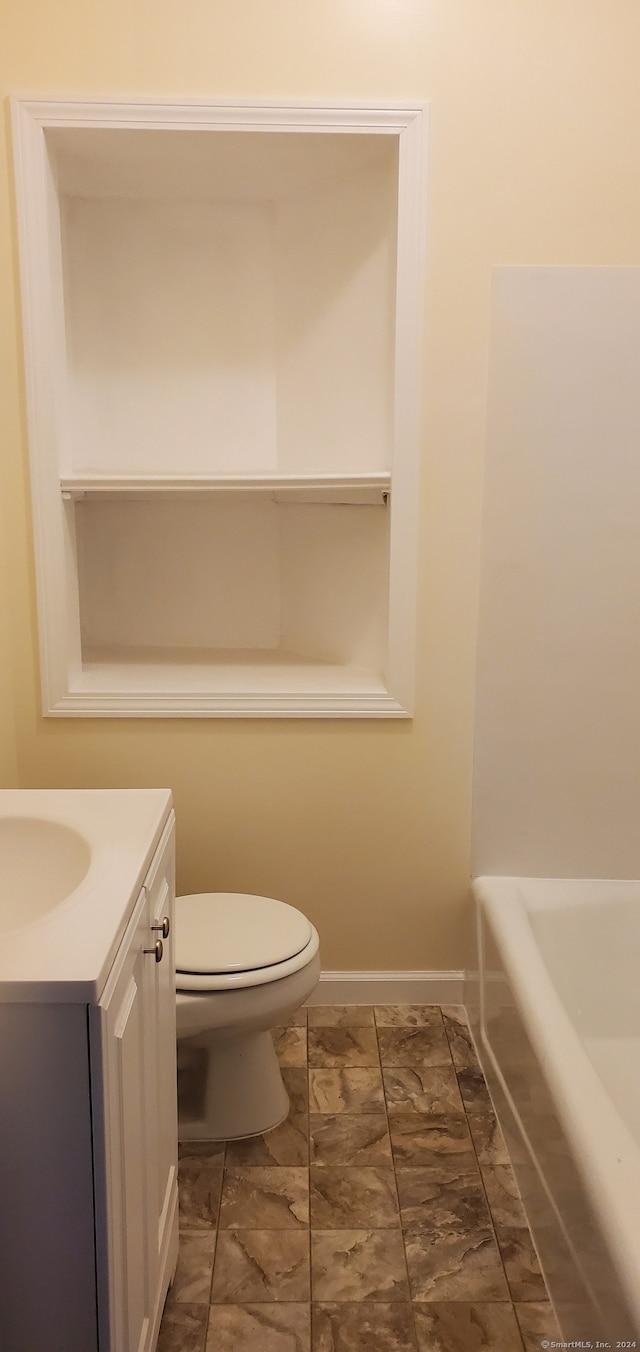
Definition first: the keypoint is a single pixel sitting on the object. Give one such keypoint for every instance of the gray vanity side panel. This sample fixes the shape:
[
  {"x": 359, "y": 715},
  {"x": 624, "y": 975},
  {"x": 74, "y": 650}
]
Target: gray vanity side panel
[{"x": 47, "y": 1246}]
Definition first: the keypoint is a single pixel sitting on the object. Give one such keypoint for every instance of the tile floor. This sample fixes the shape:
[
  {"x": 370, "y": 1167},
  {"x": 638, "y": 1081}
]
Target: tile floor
[{"x": 382, "y": 1216}]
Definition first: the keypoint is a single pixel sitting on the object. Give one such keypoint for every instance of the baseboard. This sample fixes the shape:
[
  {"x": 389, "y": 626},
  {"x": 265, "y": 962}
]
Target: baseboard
[
  {"x": 389, "y": 988},
  {"x": 471, "y": 996}
]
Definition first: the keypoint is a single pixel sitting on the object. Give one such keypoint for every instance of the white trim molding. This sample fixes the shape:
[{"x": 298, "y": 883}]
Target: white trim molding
[{"x": 389, "y": 988}]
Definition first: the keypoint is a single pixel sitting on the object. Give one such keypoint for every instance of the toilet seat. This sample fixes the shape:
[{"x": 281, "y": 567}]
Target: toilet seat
[{"x": 226, "y": 940}]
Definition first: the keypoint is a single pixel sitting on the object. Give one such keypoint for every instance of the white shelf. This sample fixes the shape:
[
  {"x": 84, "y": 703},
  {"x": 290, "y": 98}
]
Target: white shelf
[
  {"x": 223, "y": 311},
  {"x": 130, "y": 682},
  {"x": 358, "y": 489}
]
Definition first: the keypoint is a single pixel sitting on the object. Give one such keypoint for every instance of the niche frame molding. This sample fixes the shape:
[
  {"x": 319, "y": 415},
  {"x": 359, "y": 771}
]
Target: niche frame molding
[{"x": 66, "y": 689}]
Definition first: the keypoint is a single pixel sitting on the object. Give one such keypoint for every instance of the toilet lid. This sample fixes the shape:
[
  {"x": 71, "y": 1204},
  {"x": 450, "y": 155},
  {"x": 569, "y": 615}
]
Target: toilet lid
[{"x": 233, "y": 932}]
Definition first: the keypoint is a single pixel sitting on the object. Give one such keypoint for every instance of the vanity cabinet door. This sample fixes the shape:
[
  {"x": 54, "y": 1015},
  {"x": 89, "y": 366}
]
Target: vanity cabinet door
[
  {"x": 135, "y": 1120},
  {"x": 121, "y": 1121},
  {"x": 160, "y": 1068}
]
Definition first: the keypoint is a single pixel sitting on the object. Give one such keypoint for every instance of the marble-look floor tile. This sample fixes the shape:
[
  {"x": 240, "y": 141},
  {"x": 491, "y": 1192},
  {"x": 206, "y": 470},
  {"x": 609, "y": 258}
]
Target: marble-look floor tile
[
  {"x": 419, "y": 1140},
  {"x": 358, "y": 1265},
  {"x": 192, "y": 1282},
  {"x": 487, "y": 1138},
  {"x": 368, "y": 1326},
  {"x": 354, "y": 1090},
  {"x": 291, "y": 1046},
  {"x": 253, "y": 1266},
  {"x": 346, "y": 1198},
  {"x": 264, "y": 1199},
  {"x": 210, "y": 1150},
  {"x": 349, "y": 1138},
  {"x": 199, "y": 1184},
  {"x": 463, "y": 1052},
  {"x": 183, "y": 1328},
  {"x": 340, "y": 1016},
  {"x": 429, "y": 1203},
  {"x": 460, "y": 1326},
  {"x": 255, "y": 1269},
  {"x": 537, "y": 1323},
  {"x": 502, "y": 1195},
  {"x": 445, "y": 1170},
  {"x": 414, "y": 1047},
  {"x": 287, "y": 1144},
  {"x": 422, "y": 1089},
  {"x": 454, "y": 1266},
  {"x": 259, "y": 1328},
  {"x": 335, "y": 1047},
  {"x": 521, "y": 1264},
  {"x": 455, "y": 1014},
  {"x": 473, "y": 1090},
  {"x": 296, "y": 1083},
  {"x": 408, "y": 1016}
]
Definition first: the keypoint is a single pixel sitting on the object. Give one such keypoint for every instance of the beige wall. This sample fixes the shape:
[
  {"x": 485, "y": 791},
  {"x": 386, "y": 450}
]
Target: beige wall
[
  {"x": 8, "y": 747},
  {"x": 11, "y": 492},
  {"x": 535, "y": 105}
]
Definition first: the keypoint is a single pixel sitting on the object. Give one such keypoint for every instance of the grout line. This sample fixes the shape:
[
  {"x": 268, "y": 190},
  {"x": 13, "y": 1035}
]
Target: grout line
[
  {"x": 395, "y": 1181},
  {"x": 489, "y": 1208},
  {"x": 309, "y": 1176},
  {"x": 216, "y": 1232}
]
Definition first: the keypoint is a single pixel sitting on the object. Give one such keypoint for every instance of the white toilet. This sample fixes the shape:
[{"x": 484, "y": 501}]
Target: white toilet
[{"x": 243, "y": 964}]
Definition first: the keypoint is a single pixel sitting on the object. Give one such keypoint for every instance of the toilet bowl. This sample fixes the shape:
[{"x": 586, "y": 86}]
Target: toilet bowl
[{"x": 243, "y": 965}]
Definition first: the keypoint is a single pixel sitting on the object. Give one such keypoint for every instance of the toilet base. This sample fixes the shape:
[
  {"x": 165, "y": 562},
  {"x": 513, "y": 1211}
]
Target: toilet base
[{"x": 229, "y": 1086}]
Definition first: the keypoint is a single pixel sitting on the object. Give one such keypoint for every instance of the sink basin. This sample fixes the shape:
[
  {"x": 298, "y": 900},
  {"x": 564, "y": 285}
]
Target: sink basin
[
  {"x": 72, "y": 862},
  {"x": 41, "y": 864}
]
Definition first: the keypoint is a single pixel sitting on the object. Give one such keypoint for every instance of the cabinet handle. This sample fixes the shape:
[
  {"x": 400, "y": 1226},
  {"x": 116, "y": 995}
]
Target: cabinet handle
[
  {"x": 164, "y": 927},
  {"x": 158, "y": 949}
]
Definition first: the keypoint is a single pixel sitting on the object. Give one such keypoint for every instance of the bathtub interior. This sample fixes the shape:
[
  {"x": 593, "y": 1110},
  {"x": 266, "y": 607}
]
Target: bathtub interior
[
  {"x": 581, "y": 1279},
  {"x": 600, "y": 991}
]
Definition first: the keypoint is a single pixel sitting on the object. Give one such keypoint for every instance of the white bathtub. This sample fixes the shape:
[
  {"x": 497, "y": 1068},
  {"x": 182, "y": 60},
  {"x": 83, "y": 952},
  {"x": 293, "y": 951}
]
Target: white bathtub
[{"x": 559, "y": 1039}]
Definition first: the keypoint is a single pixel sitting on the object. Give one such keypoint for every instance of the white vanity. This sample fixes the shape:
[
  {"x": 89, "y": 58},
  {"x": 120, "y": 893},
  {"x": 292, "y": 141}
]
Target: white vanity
[{"x": 88, "y": 1136}]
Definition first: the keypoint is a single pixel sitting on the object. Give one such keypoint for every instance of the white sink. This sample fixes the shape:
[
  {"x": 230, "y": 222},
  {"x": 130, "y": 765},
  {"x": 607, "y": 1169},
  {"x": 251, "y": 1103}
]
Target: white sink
[
  {"x": 41, "y": 864},
  {"x": 72, "y": 862}
]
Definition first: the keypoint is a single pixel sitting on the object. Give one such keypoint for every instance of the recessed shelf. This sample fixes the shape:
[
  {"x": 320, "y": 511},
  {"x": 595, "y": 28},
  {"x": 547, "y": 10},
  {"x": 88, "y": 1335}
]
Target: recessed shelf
[
  {"x": 268, "y": 683},
  {"x": 222, "y": 317},
  {"x": 357, "y": 489}
]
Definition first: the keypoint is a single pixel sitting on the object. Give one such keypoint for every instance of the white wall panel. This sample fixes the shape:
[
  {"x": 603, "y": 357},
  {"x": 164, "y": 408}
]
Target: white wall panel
[{"x": 557, "y": 770}]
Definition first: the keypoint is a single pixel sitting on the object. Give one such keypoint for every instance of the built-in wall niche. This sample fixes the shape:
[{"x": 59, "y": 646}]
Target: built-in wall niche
[
  {"x": 204, "y": 583},
  {"x": 222, "y": 310},
  {"x": 232, "y": 309}
]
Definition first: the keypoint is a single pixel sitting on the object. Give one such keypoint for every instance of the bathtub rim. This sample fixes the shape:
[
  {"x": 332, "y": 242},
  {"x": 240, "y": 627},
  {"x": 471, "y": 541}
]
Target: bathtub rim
[{"x": 613, "y": 1191}]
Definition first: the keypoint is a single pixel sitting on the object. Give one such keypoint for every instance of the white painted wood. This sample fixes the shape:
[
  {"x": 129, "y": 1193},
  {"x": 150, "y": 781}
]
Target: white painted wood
[
  {"x": 334, "y": 563},
  {"x": 287, "y": 353},
  {"x": 336, "y": 270},
  {"x": 370, "y": 489},
  {"x": 161, "y": 1079},
  {"x": 388, "y": 988},
  {"x": 193, "y": 574},
  {"x": 147, "y": 683},
  {"x": 138, "y": 163},
  {"x": 135, "y": 1120},
  {"x": 129, "y": 1197},
  {"x": 410, "y": 280},
  {"x": 222, "y": 574},
  {"x": 170, "y": 335},
  {"x": 88, "y": 1136}
]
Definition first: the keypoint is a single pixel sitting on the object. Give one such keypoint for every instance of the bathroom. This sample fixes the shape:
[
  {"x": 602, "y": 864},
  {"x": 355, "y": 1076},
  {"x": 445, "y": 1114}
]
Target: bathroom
[{"x": 366, "y": 825}]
